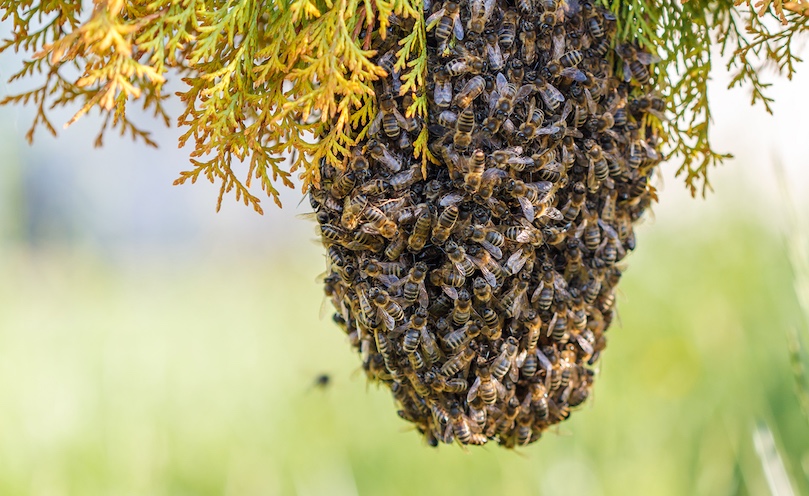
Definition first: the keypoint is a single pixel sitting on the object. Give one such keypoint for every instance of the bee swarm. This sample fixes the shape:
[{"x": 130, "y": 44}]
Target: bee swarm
[{"x": 481, "y": 294}]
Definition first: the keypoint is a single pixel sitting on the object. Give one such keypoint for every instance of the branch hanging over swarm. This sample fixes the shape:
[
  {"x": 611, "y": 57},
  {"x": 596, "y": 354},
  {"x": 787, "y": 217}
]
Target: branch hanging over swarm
[
  {"x": 283, "y": 85},
  {"x": 265, "y": 81}
]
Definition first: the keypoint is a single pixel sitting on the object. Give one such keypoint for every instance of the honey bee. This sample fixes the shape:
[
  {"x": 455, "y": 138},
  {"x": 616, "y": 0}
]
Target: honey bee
[
  {"x": 416, "y": 381},
  {"x": 551, "y": 282},
  {"x": 598, "y": 169},
  {"x": 467, "y": 64},
  {"x": 396, "y": 247},
  {"x": 443, "y": 227},
  {"x": 481, "y": 11},
  {"x": 611, "y": 250},
  {"x": 526, "y": 233},
  {"x": 378, "y": 222},
  {"x": 380, "y": 153},
  {"x": 442, "y": 94},
  {"x": 649, "y": 104},
  {"x": 533, "y": 121},
  {"x": 492, "y": 271},
  {"x": 389, "y": 119},
  {"x": 464, "y": 430},
  {"x": 503, "y": 99},
  {"x": 387, "y": 274},
  {"x": 474, "y": 176},
  {"x": 413, "y": 288},
  {"x": 489, "y": 239},
  {"x": 447, "y": 21},
  {"x": 519, "y": 259},
  {"x": 508, "y": 29},
  {"x": 470, "y": 330},
  {"x": 463, "y": 129},
  {"x": 448, "y": 280},
  {"x": 551, "y": 96},
  {"x": 458, "y": 257},
  {"x": 504, "y": 363},
  {"x": 635, "y": 62},
  {"x": 471, "y": 90},
  {"x": 515, "y": 299},
  {"x": 528, "y": 195},
  {"x": 458, "y": 362},
  {"x": 528, "y": 37},
  {"x": 491, "y": 324},
  {"x": 388, "y": 310},
  {"x": 421, "y": 230},
  {"x": 486, "y": 386},
  {"x": 493, "y": 52},
  {"x": 388, "y": 62}
]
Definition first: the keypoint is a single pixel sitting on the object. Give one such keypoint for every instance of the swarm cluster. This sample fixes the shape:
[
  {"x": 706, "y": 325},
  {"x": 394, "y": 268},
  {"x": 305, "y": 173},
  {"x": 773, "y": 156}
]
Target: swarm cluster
[{"x": 481, "y": 293}]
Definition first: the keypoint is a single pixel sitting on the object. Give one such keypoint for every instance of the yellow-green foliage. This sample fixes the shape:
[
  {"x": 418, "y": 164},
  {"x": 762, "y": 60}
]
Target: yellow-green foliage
[{"x": 269, "y": 80}]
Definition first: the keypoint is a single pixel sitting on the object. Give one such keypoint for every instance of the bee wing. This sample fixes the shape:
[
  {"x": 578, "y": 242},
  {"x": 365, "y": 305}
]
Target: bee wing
[
  {"x": 547, "y": 130},
  {"x": 514, "y": 372},
  {"x": 516, "y": 261},
  {"x": 391, "y": 162},
  {"x": 524, "y": 236},
  {"x": 574, "y": 74},
  {"x": 473, "y": 391},
  {"x": 553, "y": 213},
  {"x": 387, "y": 280},
  {"x": 457, "y": 27},
  {"x": 424, "y": 299},
  {"x": 495, "y": 251},
  {"x": 551, "y": 325},
  {"x": 627, "y": 72},
  {"x": 522, "y": 93},
  {"x": 584, "y": 344},
  {"x": 647, "y": 58},
  {"x": 659, "y": 115},
  {"x": 558, "y": 47},
  {"x": 538, "y": 291},
  {"x": 376, "y": 124},
  {"x": 493, "y": 173},
  {"x": 502, "y": 82},
  {"x": 450, "y": 291},
  {"x": 385, "y": 316},
  {"x": 434, "y": 19},
  {"x": 527, "y": 208},
  {"x": 592, "y": 107},
  {"x": 502, "y": 392},
  {"x": 450, "y": 199}
]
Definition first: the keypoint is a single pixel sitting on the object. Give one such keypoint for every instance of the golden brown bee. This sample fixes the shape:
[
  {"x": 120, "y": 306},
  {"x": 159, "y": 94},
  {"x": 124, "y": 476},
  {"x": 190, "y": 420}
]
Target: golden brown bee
[
  {"x": 471, "y": 90},
  {"x": 464, "y": 430},
  {"x": 380, "y": 153},
  {"x": 460, "y": 316},
  {"x": 379, "y": 222},
  {"x": 486, "y": 386},
  {"x": 469, "y": 64},
  {"x": 474, "y": 176},
  {"x": 421, "y": 230},
  {"x": 442, "y": 94},
  {"x": 528, "y": 37},
  {"x": 504, "y": 363},
  {"x": 443, "y": 227},
  {"x": 389, "y": 311},
  {"x": 489, "y": 239},
  {"x": 508, "y": 29},
  {"x": 463, "y": 129}
]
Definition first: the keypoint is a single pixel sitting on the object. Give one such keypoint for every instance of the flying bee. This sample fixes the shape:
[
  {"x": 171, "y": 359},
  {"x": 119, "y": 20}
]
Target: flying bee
[
  {"x": 551, "y": 96},
  {"x": 471, "y": 90},
  {"x": 458, "y": 362},
  {"x": 508, "y": 29},
  {"x": 442, "y": 94},
  {"x": 504, "y": 363},
  {"x": 463, "y": 129},
  {"x": 528, "y": 37},
  {"x": 447, "y": 21},
  {"x": 443, "y": 227},
  {"x": 635, "y": 62},
  {"x": 489, "y": 239},
  {"x": 481, "y": 11},
  {"x": 421, "y": 230},
  {"x": 506, "y": 95},
  {"x": 493, "y": 52},
  {"x": 471, "y": 64},
  {"x": 380, "y": 153}
]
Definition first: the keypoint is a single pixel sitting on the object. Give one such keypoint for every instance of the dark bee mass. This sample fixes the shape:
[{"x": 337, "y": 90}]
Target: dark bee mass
[{"x": 481, "y": 294}]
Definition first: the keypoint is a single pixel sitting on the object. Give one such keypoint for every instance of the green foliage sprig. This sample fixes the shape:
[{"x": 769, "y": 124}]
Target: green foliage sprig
[
  {"x": 266, "y": 81},
  {"x": 755, "y": 37}
]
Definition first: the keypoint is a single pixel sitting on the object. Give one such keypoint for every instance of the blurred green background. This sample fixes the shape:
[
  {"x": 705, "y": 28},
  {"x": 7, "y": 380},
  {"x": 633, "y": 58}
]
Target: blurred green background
[{"x": 149, "y": 346}]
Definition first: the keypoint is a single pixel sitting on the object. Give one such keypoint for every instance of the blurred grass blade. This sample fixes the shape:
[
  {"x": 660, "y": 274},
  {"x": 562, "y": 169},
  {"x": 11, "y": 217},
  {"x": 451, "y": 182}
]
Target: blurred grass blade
[
  {"x": 771, "y": 462},
  {"x": 796, "y": 241}
]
